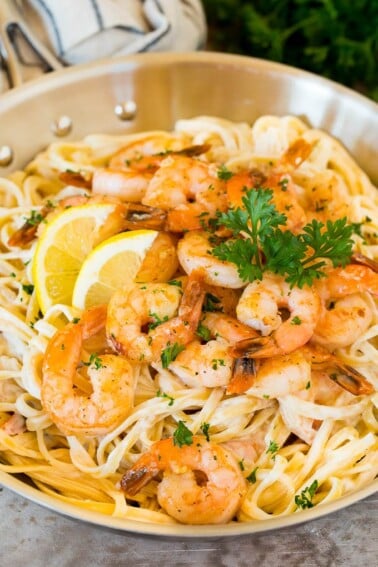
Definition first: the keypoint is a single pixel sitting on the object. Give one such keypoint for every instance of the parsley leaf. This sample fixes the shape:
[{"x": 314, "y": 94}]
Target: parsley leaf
[
  {"x": 170, "y": 353},
  {"x": 182, "y": 435},
  {"x": 161, "y": 394},
  {"x": 205, "y": 430},
  {"x": 304, "y": 499},
  {"x": 157, "y": 320}
]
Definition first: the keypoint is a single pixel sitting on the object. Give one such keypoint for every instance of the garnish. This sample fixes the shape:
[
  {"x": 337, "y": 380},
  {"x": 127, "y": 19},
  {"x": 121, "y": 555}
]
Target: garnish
[
  {"x": 182, "y": 435},
  {"x": 304, "y": 499},
  {"x": 252, "y": 476},
  {"x": 224, "y": 173},
  {"x": 264, "y": 246},
  {"x": 296, "y": 320},
  {"x": 157, "y": 320},
  {"x": 203, "y": 332},
  {"x": 216, "y": 362},
  {"x": 211, "y": 303},
  {"x": 205, "y": 430},
  {"x": 28, "y": 288},
  {"x": 95, "y": 360},
  {"x": 170, "y": 353},
  {"x": 34, "y": 219},
  {"x": 273, "y": 448},
  {"x": 161, "y": 394}
]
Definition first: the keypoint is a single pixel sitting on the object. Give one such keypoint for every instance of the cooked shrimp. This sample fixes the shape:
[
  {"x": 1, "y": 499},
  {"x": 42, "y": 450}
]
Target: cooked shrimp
[
  {"x": 171, "y": 319},
  {"x": 209, "y": 365},
  {"x": 14, "y": 425},
  {"x": 343, "y": 321},
  {"x": 346, "y": 313},
  {"x": 194, "y": 253},
  {"x": 202, "y": 482},
  {"x": 282, "y": 375},
  {"x": 111, "y": 378},
  {"x": 353, "y": 278},
  {"x": 154, "y": 144},
  {"x": 127, "y": 185},
  {"x": 259, "y": 307},
  {"x": 189, "y": 190}
]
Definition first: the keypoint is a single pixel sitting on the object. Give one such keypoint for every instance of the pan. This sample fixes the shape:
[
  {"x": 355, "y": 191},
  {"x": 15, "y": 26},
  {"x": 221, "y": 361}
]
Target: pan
[{"x": 151, "y": 91}]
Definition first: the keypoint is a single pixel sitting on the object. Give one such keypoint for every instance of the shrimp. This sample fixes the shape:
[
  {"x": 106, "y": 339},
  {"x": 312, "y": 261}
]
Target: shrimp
[
  {"x": 111, "y": 377},
  {"x": 155, "y": 144},
  {"x": 345, "y": 314},
  {"x": 289, "y": 373},
  {"x": 210, "y": 364},
  {"x": 193, "y": 252},
  {"x": 259, "y": 307},
  {"x": 170, "y": 319},
  {"x": 202, "y": 482},
  {"x": 189, "y": 190},
  {"x": 127, "y": 185}
]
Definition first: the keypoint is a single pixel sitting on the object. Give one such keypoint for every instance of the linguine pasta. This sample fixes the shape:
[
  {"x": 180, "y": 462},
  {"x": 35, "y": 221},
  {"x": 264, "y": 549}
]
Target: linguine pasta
[{"x": 287, "y": 472}]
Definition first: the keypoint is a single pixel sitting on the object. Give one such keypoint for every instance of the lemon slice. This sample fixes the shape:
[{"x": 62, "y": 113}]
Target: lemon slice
[
  {"x": 118, "y": 261},
  {"x": 63, "y": 246}
]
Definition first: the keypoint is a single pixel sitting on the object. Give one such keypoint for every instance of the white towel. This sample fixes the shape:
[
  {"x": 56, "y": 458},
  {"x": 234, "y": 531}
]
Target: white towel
[{"x": 77, "y": 31}]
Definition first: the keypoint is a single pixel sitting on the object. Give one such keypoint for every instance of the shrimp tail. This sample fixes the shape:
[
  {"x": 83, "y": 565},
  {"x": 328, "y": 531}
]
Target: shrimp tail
[
  {"x": 243, "y": 376},
  {"x": 142, "y": 216},
  {"x": 358, "y": 258},
  {"x": 194, "y": 295},
  {"x": 351, "y": 380},
  {"x": 257, "y": 347},
  {"x": 137, "y": 477},
  {"x": 28, "y": 231}
]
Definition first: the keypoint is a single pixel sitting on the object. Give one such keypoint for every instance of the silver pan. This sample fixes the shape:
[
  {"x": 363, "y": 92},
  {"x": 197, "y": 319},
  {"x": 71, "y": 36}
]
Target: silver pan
[{"x": 150, "y": 91}]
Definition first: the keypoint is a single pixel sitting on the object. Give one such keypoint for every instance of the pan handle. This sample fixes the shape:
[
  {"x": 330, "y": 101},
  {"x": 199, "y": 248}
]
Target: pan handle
[{"x": 11, "y": 25}]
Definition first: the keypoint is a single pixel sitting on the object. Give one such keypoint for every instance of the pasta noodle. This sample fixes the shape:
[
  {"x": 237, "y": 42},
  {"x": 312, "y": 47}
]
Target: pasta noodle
[{"x": 289, "y": 471}]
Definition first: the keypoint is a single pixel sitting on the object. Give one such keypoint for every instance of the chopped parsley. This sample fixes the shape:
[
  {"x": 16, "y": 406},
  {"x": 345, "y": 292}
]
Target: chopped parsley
[
  {"x": 203, "y": 332},
  {"x": 34, "y": 219},
  {"x": 205, "y": 430},
  {"x": 170, "y": 353},
  {"x": 296, "y": 320},
  {"x": 211, "y": 303},
  {"x": 182, "y": 435},
  {"x": 28, "y": 288},
  {"x": 224, "y": 173},
  {"x": 252, "y": 476},
  {"x": 95, "y": 360},
  {"x": 216, "y": 362},
  {"x": 161, "y": 394},
  {"x": 265, "y": 246},
  {"x": 273, "y": 448},
  {"x": 177, "y": 283},
  {"x": 157, "y": 320},
  {"x": 304, "y": 499}
]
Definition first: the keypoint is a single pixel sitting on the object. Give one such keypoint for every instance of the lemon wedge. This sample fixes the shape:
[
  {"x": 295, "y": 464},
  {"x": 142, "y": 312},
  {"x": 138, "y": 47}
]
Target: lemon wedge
[
  {"x": 110, "y": 265},
  {"x": 63, "y": 246}
]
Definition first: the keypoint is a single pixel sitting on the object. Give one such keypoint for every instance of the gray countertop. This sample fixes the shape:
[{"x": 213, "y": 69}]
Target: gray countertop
[{"x": 37, "y": 537}]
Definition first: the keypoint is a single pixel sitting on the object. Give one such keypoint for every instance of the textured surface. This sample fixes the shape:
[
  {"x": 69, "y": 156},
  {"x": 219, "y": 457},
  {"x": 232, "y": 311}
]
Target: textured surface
[{"x": 34, "y": 536}]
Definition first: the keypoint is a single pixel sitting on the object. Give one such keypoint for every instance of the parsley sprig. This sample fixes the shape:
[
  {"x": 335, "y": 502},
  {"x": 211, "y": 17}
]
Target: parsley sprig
[{"x": 259, "y": 244}]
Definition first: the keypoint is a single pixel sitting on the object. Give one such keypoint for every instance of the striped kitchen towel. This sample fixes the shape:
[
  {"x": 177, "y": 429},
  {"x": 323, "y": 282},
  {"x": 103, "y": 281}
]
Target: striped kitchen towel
[{"x": 77, "y": 31}]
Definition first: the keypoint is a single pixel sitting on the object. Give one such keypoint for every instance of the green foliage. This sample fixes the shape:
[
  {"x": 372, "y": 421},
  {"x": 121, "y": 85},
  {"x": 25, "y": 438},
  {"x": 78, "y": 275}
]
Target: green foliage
[{"x": 333, "y": 38}]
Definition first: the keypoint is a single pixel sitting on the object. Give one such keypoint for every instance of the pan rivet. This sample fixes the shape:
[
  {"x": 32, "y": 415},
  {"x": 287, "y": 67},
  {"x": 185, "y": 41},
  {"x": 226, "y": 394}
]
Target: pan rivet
[
  {"x": 6, "y": 156},
  {"x": 125, "y": 110},
  {"x": 62, "y": 126}
]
